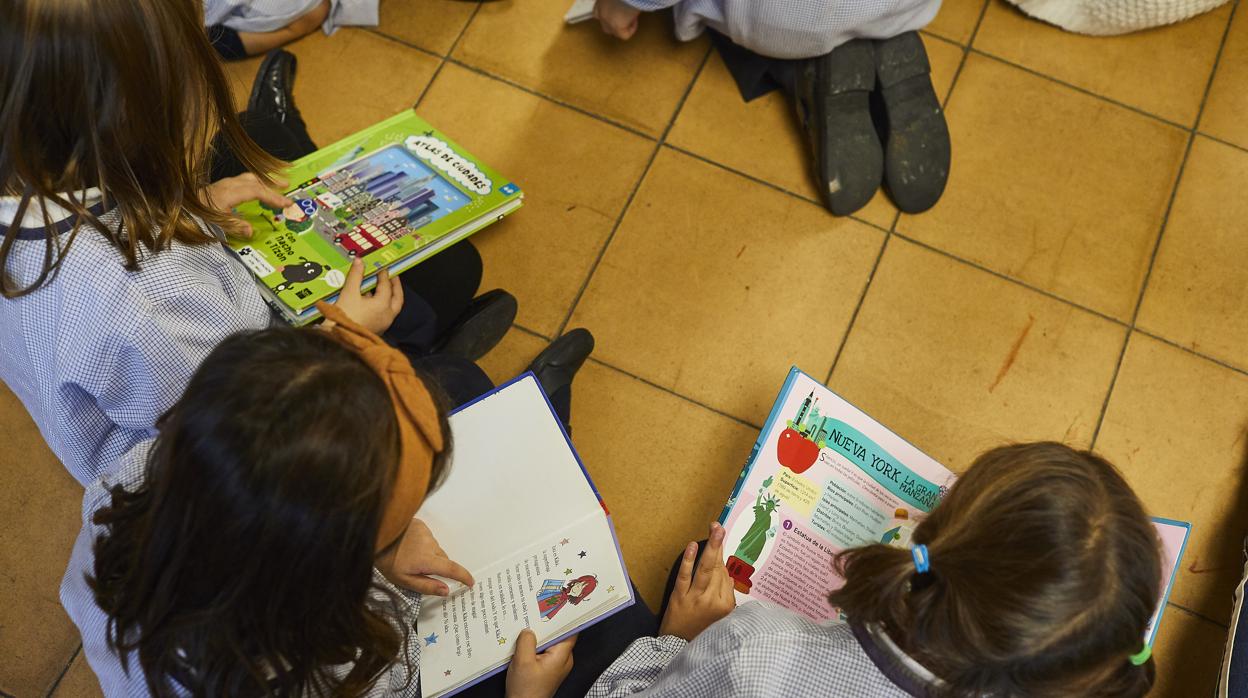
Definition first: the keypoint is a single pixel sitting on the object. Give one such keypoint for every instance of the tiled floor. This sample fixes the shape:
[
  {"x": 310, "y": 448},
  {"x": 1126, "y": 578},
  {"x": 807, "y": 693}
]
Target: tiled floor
[{"x": 1082, "y": 280}]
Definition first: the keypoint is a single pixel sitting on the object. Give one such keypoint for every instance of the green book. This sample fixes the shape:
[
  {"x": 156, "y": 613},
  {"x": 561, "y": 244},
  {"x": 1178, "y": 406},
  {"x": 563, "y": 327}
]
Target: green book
[{"x": 391, "y": 195}]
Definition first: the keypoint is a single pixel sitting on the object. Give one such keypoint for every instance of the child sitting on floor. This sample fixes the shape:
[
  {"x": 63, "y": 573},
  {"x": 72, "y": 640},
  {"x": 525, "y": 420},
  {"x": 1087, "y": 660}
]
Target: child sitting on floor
[
  {"x": 241, "y": 28},
  {"x": 858, "y": 76},
  {"x": 1036, "y": 576},
  {"x": 264, "y": 543}
]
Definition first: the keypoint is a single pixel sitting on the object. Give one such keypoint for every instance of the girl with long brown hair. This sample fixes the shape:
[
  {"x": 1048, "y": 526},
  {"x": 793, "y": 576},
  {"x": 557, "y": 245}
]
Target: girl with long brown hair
[
  {"x": 1035, "y": 576},
  {"x": 264, "y": 543},
  {"x": 114, "y": 282}
]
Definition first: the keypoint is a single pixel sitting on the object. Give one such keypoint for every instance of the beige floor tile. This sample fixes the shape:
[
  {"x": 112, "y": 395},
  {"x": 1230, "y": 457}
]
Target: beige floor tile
[
  {"x": 576, "y": 171},
  {"x": 1188, "y": 652},
  {"x": 1198, "y": 292},
  {"x": 430, "y": 24},
  {"x": 1228, "y": 100},
  {"x": 79, "y": 681},
  {"x": 360, "y": 96},
  {"x": 663, "y": 483},
  {"x": 1163, "y": 71},
  {"x": 763, "y": 139},
  {"x": 1176, "y": 427},
  {"x": 638, "y": 83},
  {"x": 958, "y": 361},
  {"x": 1053, "y": 187},
  {"x": 714, "y": 286},
  {"x": 511, "y": 356},
  {"x": 956, "y": 19},
  {"x": 40, "y": 507}
]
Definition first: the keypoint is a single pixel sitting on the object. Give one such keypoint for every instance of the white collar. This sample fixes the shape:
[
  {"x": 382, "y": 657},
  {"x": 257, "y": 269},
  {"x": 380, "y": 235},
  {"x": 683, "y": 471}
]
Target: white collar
[{"x": 34, "y": 211}]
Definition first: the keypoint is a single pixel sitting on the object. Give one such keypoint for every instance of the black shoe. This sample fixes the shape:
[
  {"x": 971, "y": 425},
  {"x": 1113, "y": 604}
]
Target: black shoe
[
  {"x": 482, "y": 326},
  {"x": 557, "y": 364},
  {"x": 272, "y": 95},
  {"x": 832, "y": 100},
  {"x": 917, "y": 150}
]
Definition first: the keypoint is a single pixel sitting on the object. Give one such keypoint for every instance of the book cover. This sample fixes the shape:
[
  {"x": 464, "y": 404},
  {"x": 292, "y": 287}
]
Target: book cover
[
  {"x": 391, "y": 195},
  {"x": 520, "y": 512},
  {"x": 824, "y": 476}
]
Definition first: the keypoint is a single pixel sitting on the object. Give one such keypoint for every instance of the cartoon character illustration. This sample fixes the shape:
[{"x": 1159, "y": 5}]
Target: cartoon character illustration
[
  {"x": 741, "y": 563},
  {"x": 300, "y": 273},
  {"x": 555, "y": 594}
]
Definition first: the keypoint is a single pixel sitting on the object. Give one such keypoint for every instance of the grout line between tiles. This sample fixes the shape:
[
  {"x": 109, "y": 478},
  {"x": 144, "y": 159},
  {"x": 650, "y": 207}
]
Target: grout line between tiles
[
  {"x": 892, "y": 229},
  {"x": 442, "y": 59},
  {"x": 1198, "y": 614},
  {"x": 463, "y": 30},
  {"x": 550, "y": 98},
  {"x": 402, "y": 42},
  {"x": 1193, "y": 352},
  {"x": 669, "y": 391},
  {"x": 649, "y": 382},
  {"x": 853, "y": 317},
  {"x": 1165, "y": 221},
  {"x": 1215, "y": 139},
  {"x": 61, "y": 677},
  {"x": 580, "y": 293}
]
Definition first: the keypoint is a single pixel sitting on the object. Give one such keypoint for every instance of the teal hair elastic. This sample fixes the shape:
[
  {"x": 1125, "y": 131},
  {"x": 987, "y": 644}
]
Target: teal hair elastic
[
  {"x": 922, "y": 563},
  {"x": 1142, "y": 656}
]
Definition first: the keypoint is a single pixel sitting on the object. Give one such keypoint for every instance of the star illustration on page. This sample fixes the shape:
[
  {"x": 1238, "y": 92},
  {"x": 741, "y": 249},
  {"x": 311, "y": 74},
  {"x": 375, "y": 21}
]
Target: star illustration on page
[
  {"x": 447, "y": 672},
  {"x": 582, "y": 554},
  {"x": 568, "y": 571},
  {"x": 611, "y": 589},
  {"x": 563, "y": 542},
  {"x": 431, "y": 640},
  {"x": 502, "y": 640}
]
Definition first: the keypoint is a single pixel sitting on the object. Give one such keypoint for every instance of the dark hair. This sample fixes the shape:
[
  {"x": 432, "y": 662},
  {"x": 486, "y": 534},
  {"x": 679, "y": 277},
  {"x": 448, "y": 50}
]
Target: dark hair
[
  {"x": 243, "y": 563},
  {"x": 1045, "y": 571},
  {"x": 125, "y": 96}
]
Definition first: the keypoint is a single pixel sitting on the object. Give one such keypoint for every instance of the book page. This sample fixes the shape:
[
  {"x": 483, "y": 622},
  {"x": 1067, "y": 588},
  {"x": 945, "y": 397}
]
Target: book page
[
  {"x": 556, "y": 586},
  {"x": 513, "y": 479},
  {"x": 1173, "y": 535},
  {"x": 824, "y": 477}
]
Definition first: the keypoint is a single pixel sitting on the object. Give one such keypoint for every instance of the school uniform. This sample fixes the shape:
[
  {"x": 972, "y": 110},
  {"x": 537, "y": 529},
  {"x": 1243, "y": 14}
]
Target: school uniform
[
  {"x": 764, "y": 650},
  {"x": 271, "y": 15},
  {"x": 760, "y": 40},
  {"x": 99, "y": 352}
]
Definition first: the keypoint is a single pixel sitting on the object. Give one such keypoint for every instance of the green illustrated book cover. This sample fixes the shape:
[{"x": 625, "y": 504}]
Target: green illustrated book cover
[{"x": 391, "y": 195}]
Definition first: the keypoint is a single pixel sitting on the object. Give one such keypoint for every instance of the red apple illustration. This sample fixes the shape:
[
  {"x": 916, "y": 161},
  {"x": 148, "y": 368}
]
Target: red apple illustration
[{"x": 796, "y": 452}]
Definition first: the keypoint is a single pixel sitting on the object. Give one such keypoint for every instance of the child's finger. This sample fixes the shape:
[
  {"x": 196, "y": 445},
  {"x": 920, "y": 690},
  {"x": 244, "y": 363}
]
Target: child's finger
[
  {"x": 446, "y": 567},
  {"x": 560, "y": 652},
  {"x": 270, "y": 197},
  {"x": 526, "y": 646},
  {"x": 712, "y": 557},
  {"x": 423, "y": 584},
  {"x": 382, "y": 291},
  {"x": 355, "y": 277},
  {"x": 684, "y": 576},
  {"x": 396, "y": 295}
]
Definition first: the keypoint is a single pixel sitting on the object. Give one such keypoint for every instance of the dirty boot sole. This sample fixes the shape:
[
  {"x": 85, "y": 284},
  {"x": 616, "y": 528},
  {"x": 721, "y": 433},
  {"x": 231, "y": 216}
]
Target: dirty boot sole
[{"x": 917, "y": 152}]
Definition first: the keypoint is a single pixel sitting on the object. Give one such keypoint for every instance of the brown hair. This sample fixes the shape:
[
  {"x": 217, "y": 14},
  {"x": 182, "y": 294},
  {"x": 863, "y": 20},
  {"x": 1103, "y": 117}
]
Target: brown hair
[
  {"x": 1045, "y": 571},
  {"x": 125, "y": 96},
  {"x": 243, "y": 563}
]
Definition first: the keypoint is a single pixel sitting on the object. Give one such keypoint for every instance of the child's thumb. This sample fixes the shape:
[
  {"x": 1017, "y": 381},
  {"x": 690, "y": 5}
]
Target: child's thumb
[{"x": 526, "y": 643}]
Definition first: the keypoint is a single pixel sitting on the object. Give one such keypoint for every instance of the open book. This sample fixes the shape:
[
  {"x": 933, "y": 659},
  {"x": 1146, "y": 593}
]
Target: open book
[
  {"x": 392, "y": 195},
  {"x": 824, "y": 476},
  {"x": 520, "y": 512}
]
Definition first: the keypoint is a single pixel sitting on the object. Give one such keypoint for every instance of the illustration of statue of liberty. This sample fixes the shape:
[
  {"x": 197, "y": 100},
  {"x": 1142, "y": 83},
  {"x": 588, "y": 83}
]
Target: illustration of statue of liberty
[{"x": 741, "y": 564}]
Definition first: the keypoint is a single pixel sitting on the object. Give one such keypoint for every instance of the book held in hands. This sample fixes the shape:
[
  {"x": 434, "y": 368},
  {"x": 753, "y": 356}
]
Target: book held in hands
[{"x": 391, "y": 195}]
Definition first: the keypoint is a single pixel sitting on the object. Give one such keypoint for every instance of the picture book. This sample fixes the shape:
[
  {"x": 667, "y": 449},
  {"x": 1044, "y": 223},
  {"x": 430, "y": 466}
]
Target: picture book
[
  {"x": 580, "y": 11},
  {"x": 520, "y": 512},
  {"x": 824, "y": 476},
  {"x": 391, "y": 195}
]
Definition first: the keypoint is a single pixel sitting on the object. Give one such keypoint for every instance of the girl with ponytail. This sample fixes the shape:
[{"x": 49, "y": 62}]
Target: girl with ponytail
[{"x": 1036, "y": 576}]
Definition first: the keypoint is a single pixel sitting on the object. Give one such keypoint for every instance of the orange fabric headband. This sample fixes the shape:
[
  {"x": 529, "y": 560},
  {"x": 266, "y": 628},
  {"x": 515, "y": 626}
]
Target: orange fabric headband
[{"x": 420, "y": 433}]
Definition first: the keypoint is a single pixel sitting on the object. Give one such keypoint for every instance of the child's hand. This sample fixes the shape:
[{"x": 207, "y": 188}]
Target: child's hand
[
  {"x": 700, "y": 600},
  {"x": 533, "y": 675},
  {"x": 418, "y": 556},
  {"x": 225, "y": 194},
  {"x": 618, "y": 18},
  {"x": 377, "y": 310}
]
